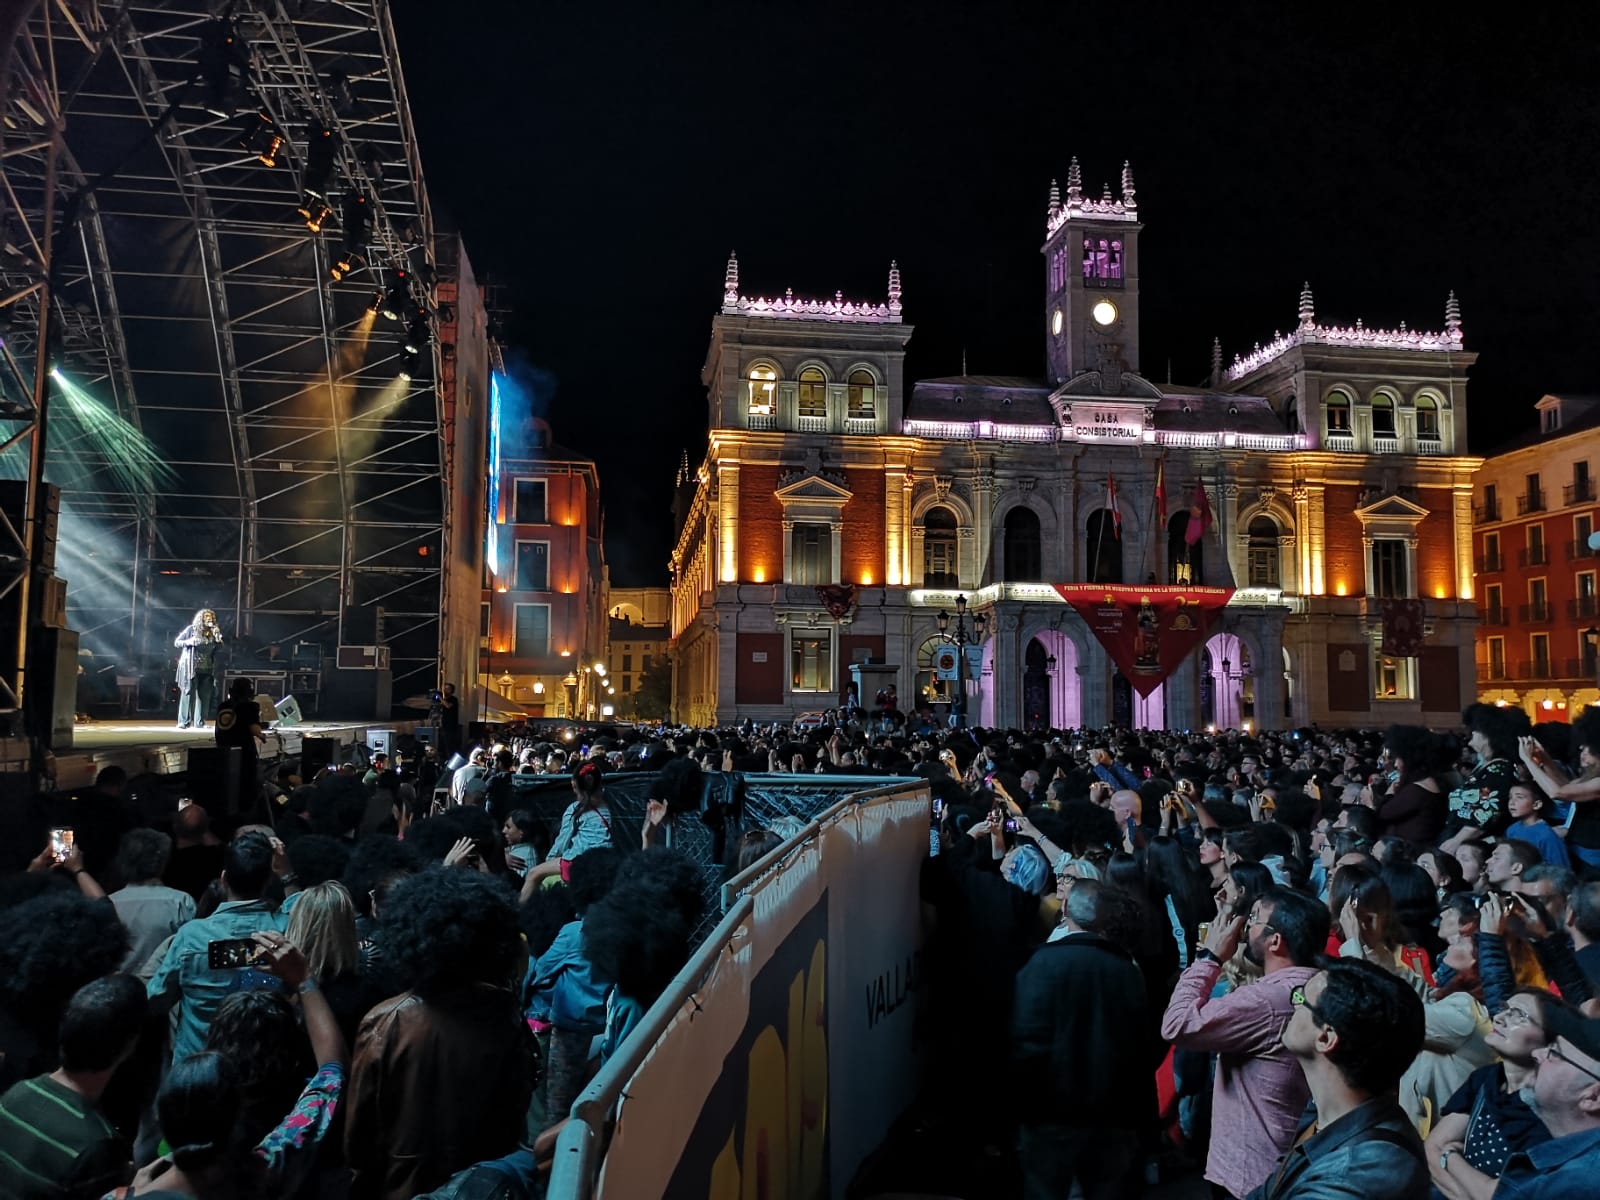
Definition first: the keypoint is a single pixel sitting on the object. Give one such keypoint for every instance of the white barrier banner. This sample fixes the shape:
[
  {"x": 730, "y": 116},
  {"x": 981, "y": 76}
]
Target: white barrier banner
[{"x": 789, "y": 1064}]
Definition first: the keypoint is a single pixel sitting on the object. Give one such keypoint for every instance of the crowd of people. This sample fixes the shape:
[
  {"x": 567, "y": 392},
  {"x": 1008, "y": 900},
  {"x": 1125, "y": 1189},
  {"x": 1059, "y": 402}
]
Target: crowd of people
[{"x": 1307, "y": 964}]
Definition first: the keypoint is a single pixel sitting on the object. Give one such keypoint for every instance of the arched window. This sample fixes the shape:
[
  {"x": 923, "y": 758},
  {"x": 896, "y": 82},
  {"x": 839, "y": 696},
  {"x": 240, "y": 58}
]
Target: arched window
[
  {"x": 1382, "y": 415},
  {"x": 939, "y": 568},
  {"x": 1114, "y": 263},
  {"x": 1103, "y": 545},
  {"x": 813, "y": 393},
  {"x": 1427, "y": 418},
  {"x": 863, "y": 396},
  {"x": 1291, "y": 414},
  {"x": 763, "y": 391},
  {"x": 1337, "y": 407},
  {"x": 1088, "y": 258},
  {"x": 1186, "y": 564},
  {"x": 1022, "y": 552},
  {"x": 1263, "y": 565}
]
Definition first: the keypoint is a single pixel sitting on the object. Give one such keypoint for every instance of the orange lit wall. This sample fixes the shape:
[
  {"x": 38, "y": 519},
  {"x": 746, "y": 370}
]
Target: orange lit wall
[
  {"x": 568, "y": 509},
  {"x": 760, "y": 524},
  {"x": 1343, "y": 563},
  {"x": 1436, "y": 547},
  {"x": 861, "y": 551}
]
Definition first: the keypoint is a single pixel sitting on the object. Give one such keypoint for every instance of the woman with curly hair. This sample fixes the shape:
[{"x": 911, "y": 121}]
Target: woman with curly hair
[
  {"x": 1483, "y": 797},
  {"x": 585, "y": 825},
  {"x": 1414, "y": 807}
]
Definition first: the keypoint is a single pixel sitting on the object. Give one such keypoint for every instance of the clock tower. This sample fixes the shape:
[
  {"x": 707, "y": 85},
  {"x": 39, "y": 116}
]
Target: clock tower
[{"x": 1091, "y": 256}]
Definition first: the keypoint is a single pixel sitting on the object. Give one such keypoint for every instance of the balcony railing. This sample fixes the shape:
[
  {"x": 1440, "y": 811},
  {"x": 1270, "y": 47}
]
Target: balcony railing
[
  {"x": 1557, "y": 669},
  {"x": 810, "y": 423},
  {"x": 1539, "y": 668},
  {"x": 1584, "y": 608},
  {"x": 1488, "y": 672},
  {"x": 763, "y": 420},
  {"x": 1486, "y": 513},
  {"x": 1577, "y": 550},
  {"x": 861, "y": 424},
  {"x": 1532, "y": 502},
  {"x": 1486, "y": 563},
  {"x": 1579, "y": 491},
  {"x": 1497, "y": 614},
  {"x": 1534, "y": 556},
  {"x": 1533, "y": 612},
  {"x": 1385, "y": 443}
]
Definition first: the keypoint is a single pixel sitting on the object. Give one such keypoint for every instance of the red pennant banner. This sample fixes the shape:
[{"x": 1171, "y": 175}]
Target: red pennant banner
[
  {"x": 1402, "y": 628},
  {"x": 1147, "y": 631}
]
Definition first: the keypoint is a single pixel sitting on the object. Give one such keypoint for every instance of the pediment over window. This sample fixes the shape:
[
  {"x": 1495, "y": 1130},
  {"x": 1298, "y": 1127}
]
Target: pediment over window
[
  {"x": 814, "y": 490},
  {"x": 1391, "y": 509}
]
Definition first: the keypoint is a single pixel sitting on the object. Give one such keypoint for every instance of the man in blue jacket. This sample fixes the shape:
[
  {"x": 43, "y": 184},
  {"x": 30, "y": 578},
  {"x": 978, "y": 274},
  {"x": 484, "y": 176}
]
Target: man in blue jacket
[
  {"x": 1355, "y": 1029},
  {"x": 1566, "y": 1097}
]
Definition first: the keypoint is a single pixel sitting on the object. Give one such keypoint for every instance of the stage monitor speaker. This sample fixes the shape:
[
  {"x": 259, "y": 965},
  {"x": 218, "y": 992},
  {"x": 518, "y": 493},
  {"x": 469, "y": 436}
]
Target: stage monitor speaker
[
  {"x": 288, "y": 710},
  {"x": 426, "y": 735},
  {"x": 316, "y": 753},
  {"x": 380, "y": 741}
]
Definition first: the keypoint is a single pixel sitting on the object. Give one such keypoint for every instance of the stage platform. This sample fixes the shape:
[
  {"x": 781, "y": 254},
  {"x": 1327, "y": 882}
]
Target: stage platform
[{"x": 161, "y": 748}]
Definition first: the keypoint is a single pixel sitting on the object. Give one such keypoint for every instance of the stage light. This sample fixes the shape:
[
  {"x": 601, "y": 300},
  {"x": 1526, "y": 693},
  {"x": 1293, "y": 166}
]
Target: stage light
[
  {"x": 322, "y": 147},
  {"x": 417, "y": 333},
  {"x": 262, "y": 138},
  {"x": 347, "y": 261},
  {"x": 356, "y": 214},
  {"x": 398, "y": 299},
  {"x": 410, "y": 363},
  {"x": 315, "y": 211},
  {"x": 224, "y": 67},
  {"x": 376, "y": 303}
]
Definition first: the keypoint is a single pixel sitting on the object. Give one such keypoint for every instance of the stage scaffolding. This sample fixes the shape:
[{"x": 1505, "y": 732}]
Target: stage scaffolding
[{"x": 188, "y": 294}]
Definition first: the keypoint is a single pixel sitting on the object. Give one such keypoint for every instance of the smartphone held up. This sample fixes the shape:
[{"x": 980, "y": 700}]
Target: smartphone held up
[{"x": 60, "y": 843}]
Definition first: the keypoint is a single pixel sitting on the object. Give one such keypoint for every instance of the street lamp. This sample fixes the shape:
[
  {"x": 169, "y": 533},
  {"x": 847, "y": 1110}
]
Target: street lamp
[{"x": 961, "y": 639}]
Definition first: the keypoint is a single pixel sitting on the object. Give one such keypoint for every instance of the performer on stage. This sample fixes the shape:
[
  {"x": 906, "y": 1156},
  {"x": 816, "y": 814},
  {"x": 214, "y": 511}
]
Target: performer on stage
[{"x": 197, "y": 668}]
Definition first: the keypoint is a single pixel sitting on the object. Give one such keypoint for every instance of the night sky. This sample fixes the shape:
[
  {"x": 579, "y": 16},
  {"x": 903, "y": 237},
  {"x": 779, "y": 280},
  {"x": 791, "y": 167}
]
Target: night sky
[{"x": 602, "y": 159}]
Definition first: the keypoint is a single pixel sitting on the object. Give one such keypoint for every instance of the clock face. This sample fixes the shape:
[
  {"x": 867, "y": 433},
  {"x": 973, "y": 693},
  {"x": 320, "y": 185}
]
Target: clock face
[
  {"x": 1104, "y": 312},
  {"x": 1055, "y": 323}
]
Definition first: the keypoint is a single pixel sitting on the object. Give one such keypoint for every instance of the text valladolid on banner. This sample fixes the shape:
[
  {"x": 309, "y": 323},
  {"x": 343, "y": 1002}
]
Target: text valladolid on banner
[
  {"x": 792, "y": 1059},
  {"x": 1147, "y": 631}
]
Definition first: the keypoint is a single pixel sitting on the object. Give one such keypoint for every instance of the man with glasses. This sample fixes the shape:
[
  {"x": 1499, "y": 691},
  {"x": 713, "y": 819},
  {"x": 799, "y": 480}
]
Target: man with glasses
[
  {"x": 1259, "y": 1092},
  {"x": 1354, "y": 1031},
  {"x": 1566, "y": 1096}
]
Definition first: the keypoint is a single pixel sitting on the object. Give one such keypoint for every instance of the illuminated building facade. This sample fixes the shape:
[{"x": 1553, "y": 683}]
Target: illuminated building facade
[
  {"x": 1535, "y": 511},
  {"x": 542, "y": 631},
  {"x": 839, "y": 510},
  {"x": 639, "y": 636}
]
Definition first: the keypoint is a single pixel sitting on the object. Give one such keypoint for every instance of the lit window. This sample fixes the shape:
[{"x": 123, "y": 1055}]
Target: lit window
[
  {"x": 763, "y": 389},
  {"x": 863, "y": 396},
  {"x": 811, "y": 663},
  {"x": 1427, "y": 418},
  {"x": 1383, "y": 415},
  {"x": 813, "y": 393},
  {"x": 1264, "y": 558},
  {"x": 811, "y": 555},
  {"x": 939, "y": 549},
  {"x": 1337, "y": 407},
  {"x": 1391, "y": 677}
]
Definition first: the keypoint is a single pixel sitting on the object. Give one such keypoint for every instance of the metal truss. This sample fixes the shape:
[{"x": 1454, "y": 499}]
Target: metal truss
[{"x": 192, "y": 300}]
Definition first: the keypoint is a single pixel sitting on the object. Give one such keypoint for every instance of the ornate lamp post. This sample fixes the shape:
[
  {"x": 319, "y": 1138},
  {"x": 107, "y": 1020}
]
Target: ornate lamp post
[{"x": 961, "y": 639}]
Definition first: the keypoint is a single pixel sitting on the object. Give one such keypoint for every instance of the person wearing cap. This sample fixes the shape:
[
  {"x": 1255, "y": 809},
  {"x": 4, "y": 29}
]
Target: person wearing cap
[{"x": 1565, "y": 1095}]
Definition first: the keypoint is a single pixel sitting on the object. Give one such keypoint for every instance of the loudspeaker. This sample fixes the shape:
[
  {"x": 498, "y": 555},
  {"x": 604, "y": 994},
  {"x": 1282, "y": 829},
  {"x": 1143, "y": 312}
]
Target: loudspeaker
[
  {"x": 316, "y": 753},
  {"x": 288, "y": 713},
  {"x": 380, "y": 741}
]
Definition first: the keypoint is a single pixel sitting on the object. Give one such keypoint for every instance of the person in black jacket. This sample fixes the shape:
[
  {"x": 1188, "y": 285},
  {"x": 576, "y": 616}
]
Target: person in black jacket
[{"x": 1084, "y": 1053}]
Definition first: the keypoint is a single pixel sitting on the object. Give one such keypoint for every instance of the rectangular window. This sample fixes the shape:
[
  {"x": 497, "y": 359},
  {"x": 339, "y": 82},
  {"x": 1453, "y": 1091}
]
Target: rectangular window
[
  {"x": 1339, "y": 417},
  {"x": 1538, "y": 600},
  {"x": 1389, "y": 575},
  {"x": 1582, "y": 531},
  {"x": 1497, "y": 658},
  {"x": 811, "y": 662},
  {"x": 533, "y": 631},
  {"x": 1264, "y": 566},
  {"x": 813, "y": 395},
  {"x": 644, "y": 664},
  {"x": 1491, "y": 552},
  {"x": 811, "y": 555},
  {"x": 1427, "y": 420},
  {"x": 1588, "y": 656},
  {"x": 627, "y": 683},
  {"x": 627, "y": 662},
  {"x": 1493, "y": 602},
  {"x": 530, "y": 502},
  {"x": 1392, "y": 677},
  {"x": 1533, "y": 497},
  {"x": 1536, "y": 543},
  {"x": 1586, "y": 585},
  {"x": 1539, "y": 651},
  {"x": 533, "y": 567},
  {"x": 1585, "y": 607},
  {"x": 483, "y": 619}
]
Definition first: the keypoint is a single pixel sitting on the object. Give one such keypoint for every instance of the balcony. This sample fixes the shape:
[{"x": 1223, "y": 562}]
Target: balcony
[
  {"x": 809, "y": 423},
  {"x": 1486, "y": 563},
  {"x": 1486, "y": 513},
  {"x": 1577, "y": 550},
  {"x": 1429, "y": 442},
  {"x": 1584, "y": 608},
  {"x": 1533, "y": 502},
  {"x": 861, "y": 425},
  {"x": 1553, "y": 669},
  {"x": 1539, "y": 668},
  {"x": 1534, "y": 556},
  {"x": 1579, "y": 491},
  {"x": 1497, "y": 614},
  {"x": 763, "y": 420},
  {"x": 1489, "y": 672},
  {"x": 1385, "y": 443},
  {"x": 1528, "y": 613}
]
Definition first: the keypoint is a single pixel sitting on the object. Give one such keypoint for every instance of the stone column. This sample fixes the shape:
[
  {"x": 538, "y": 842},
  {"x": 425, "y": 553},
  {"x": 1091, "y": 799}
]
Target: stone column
[
  {"x": 1007, "y": 668},
  {"x": 728, "y": 522},
  {"x": 1316, "y": 535},
  {"x": 983, "y": 490},
  {"x": 1269, "y": 673},
  {"x": 1462, "y": 529},
  {"x": 1182, "y": 694}
]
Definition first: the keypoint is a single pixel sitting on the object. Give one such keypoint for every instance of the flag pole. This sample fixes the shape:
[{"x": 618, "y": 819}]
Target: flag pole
[{"x": 1100, "y": 538}]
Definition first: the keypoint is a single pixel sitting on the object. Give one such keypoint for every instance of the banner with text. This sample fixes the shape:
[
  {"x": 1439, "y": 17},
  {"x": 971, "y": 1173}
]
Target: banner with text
[
  {"x": 1147, "y": 631},
  {"x": 788, "y": 1064}
]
